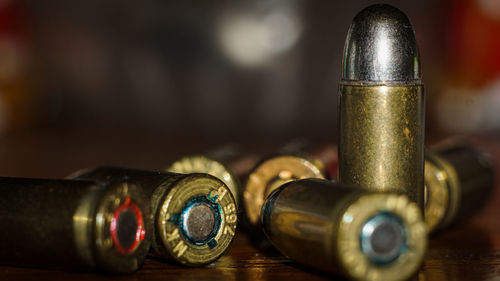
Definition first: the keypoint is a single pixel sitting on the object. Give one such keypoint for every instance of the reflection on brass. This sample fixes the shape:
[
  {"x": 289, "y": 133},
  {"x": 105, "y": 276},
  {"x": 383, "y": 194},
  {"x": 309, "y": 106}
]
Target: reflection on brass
[
  {"x": 271, "y": 174},
  {"x": 381, "y": 144},
  {"x": 74, "y": 224},
  {"x": 346, "y": 230},
  {"x": 323, "y": 155},
  {"x": 206, "y": 165},
  {"x": 458, "y": 180},
  {"x": 195, "y": 214}
]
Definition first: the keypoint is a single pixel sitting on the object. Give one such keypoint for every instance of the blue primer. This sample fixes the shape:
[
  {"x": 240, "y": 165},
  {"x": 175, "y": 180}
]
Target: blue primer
[
  {"x": 175, "y": 219},
  {"x": 210, "y": 201},
  {"x": 213, "y": 198},
  {"x": 364, "y": 240}
]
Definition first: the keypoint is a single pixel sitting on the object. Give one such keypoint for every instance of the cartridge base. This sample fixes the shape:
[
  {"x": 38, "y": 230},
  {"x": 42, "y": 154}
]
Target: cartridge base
[
  {"x": 271, "y": 174},
  {"x": 197, "y": 219},
  {"x": 400, "y": 264}
]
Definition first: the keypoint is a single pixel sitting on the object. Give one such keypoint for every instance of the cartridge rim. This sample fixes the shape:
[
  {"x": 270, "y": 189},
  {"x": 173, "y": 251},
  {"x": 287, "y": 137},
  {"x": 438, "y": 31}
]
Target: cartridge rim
[
  {"x": 436, "y": 195},
  {"x": 356, "y": 263},
  {"x": 172, "y": 226},
  {"x": 203, "y": 164},
  {"x": 442, "y": 192},
  {"x": 271, "y": 174},
  {"x": 111, "y": 253}
]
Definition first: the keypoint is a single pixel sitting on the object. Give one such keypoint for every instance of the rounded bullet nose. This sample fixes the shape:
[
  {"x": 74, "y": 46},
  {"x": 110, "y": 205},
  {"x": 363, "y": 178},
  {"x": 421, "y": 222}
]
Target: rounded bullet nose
[{"x": 381, "y": 47}]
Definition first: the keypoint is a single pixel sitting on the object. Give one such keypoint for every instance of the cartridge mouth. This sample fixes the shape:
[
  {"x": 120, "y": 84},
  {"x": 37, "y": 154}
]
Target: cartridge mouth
[
  {"x": 203, "y": 164},
  {"x": 127, "y": 227},
  {"x": 381, "y": 236},
  {"x": 197, "y": 219},
  {"x": 270, "y": 175}
]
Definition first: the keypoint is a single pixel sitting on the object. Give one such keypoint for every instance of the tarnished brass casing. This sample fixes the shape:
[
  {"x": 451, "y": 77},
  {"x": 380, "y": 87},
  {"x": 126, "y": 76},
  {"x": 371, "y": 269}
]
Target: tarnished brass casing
[
  {"x": 270, "y": 174},
  {"x": 195, "y": 215},
  {"x": 458, "y": 181},
  {"x": 381, "y": 138},
  {"x": 322, "y": 224},
  {"x": 74, "y": 224}
]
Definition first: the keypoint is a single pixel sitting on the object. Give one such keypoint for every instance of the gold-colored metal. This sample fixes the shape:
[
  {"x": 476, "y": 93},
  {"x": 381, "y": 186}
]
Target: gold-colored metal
[
  {"x": 207, "y": 165},
  {"x": 271, "y": 174},
  {"x": 195, "y": 215},
  {"x": 323, "y": 155},
  {"x": 74, "y": 224},
  {"x": 458, "y": 180},
  {"x": 325, "y": 225},
  {"x": 381, "y": 139},
  {"x": 441, "y": 190}
]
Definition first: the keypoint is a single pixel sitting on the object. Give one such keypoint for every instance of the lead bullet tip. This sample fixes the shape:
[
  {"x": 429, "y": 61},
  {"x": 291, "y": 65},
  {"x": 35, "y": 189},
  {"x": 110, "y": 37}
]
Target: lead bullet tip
[{"x": 381, "y": 47}]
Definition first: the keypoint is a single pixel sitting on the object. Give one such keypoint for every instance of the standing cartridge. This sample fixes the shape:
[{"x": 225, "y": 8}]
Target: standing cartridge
[{"x": 381, "y": 144}]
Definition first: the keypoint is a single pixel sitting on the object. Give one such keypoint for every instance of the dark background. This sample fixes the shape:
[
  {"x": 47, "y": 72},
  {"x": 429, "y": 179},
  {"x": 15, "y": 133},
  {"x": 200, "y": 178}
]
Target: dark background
[
  {"x": 205, "y": 68},
  {"x": 198, "y": 74}
]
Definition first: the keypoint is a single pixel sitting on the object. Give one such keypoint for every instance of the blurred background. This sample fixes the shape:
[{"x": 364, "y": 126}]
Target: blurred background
[{"x": 218, "y": 71}]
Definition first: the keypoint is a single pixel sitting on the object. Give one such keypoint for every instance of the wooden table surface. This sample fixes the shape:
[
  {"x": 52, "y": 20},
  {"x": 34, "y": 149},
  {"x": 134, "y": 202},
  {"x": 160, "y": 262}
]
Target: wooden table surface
[{"x": 468, "y": 251}]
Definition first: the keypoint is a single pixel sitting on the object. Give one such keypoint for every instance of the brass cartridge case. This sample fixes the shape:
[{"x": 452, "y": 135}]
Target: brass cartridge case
[
  {"x": 74, "y": 224},
  {"x": 381, "y": 143},
  {"x": 346, "y": 230},
  {"x": 270, "y": 174},
  {"x": 298, "y": 159},
  {"x": 458, "y": 181},
  {"x": 195, "y": 215},
  {"x": 323, "y": 155},
  {"x": 225, "y": 163},
  {"x": 453, "y": 173},
  {"x": 203, "y": 164}
]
